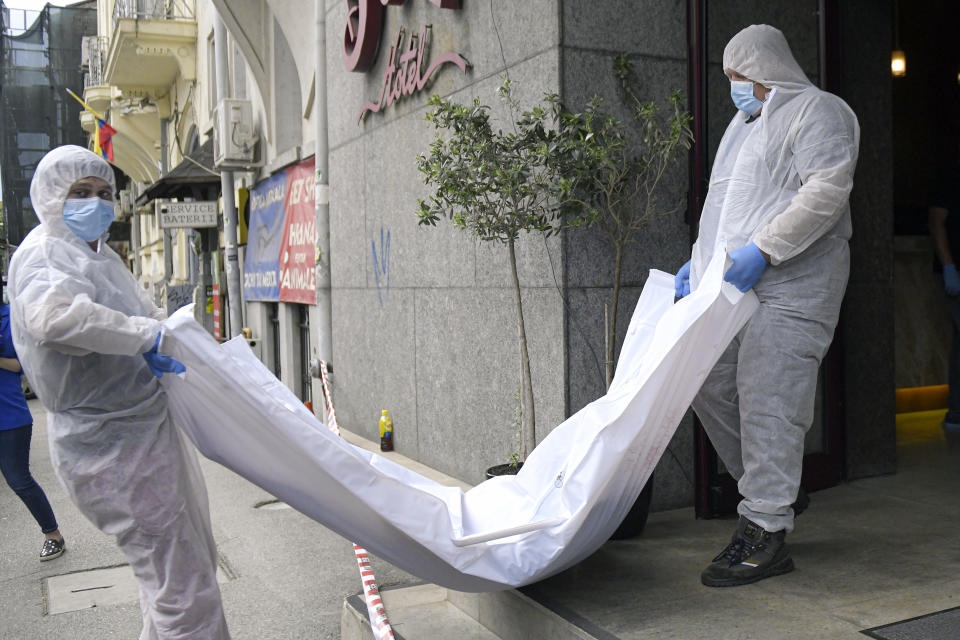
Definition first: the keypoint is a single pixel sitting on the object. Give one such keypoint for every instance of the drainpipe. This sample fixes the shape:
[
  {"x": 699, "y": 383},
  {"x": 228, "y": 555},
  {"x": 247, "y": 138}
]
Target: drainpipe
[
  {"x": 135, "y": 231},
  {"x": 231, "y": 264},
  {"x": 322, "y": 175},
  {"x": 167, "y": 239},
  {"x": 135, "y": 243}
]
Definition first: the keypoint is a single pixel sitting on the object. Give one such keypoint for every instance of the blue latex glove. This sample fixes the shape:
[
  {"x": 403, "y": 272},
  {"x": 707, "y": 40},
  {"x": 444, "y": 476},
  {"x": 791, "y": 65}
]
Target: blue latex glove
[
  {"x": 681, "y": 281},
  {"x": 159, "y": 364},
  {"x": 748, "y": 266},
  {"x": 951, "y": 280}
]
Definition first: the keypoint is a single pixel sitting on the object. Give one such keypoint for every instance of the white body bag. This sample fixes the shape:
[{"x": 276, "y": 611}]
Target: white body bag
[{"x": 570, "y": 495}]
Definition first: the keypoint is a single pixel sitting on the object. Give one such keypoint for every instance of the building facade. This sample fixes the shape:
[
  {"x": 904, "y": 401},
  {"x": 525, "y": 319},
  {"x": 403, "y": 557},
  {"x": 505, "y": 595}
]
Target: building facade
[
  {"x": 422, "y": 318},
  {"x": 39, "y": 53}
]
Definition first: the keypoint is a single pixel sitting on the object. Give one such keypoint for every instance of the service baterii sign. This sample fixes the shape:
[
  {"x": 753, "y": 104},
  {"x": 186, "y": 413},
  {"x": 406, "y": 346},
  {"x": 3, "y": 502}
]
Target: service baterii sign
[{"x": 186, "y": 215}]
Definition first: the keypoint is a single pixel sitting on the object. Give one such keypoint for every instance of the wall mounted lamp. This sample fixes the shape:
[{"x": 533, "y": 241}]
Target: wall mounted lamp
[
  {"x": 898, "y": 60},
  {"x": 898, "y": 64}
]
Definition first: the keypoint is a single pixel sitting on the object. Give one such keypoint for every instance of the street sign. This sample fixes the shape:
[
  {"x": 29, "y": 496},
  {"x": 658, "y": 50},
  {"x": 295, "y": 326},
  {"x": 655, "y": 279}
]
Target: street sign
[{"x": 190, "y": 215}]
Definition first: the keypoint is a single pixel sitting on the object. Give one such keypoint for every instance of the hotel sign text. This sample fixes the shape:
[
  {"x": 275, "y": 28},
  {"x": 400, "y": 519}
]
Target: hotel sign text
[{"x": 408, "y": 70}]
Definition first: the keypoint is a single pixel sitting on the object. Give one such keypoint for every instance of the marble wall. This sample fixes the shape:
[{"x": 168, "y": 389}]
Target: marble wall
[
  {"x": 423, "y": 318},
  {"x": 866, "y": 322},
  {"x": 653, "y": 34}
]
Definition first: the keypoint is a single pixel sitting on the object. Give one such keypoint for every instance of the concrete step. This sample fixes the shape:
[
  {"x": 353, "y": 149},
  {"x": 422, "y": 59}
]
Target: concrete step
[{"x": 429, "y": 612}]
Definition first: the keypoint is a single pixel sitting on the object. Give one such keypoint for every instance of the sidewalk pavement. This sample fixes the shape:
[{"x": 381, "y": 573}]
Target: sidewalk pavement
[
  {"x": 283, "y": 576},
  {"x": 868, "y": 552}
]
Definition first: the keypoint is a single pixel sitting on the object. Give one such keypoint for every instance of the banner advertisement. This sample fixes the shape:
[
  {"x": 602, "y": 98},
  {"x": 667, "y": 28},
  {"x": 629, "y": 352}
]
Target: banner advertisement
[
  {"x": 298, "y": 276},
  {"x": 264, "y": 235}
]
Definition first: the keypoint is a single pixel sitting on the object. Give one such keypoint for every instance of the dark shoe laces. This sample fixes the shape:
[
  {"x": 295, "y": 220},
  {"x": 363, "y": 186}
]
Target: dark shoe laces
[
  {"x": 742, "y": 547},
  {"x": 734, "y": 551}
]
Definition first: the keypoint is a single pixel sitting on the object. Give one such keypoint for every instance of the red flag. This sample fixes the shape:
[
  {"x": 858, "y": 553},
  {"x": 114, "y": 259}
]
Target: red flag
[{"x": 104, "y": 139}]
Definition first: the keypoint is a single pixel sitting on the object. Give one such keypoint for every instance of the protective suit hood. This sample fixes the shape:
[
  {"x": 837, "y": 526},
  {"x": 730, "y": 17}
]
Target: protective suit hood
[
  {"x": 760, "y": 52},
  {"x": 781, "y": 181},
  {"x": 51, "y": 182}
]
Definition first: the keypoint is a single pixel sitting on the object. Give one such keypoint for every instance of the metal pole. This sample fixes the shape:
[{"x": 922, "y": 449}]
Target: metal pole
[
  {"x": 167, "y": 238},
  {"x": 322, "y": 175},
  {"x": 135, "y": 243},
  {"x": 231, "y": 264}
]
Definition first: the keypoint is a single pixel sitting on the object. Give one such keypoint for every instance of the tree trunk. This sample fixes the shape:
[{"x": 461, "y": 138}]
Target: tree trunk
[
  {"x": 611, "y": 327},
  {"x": 528, "y": 436}
]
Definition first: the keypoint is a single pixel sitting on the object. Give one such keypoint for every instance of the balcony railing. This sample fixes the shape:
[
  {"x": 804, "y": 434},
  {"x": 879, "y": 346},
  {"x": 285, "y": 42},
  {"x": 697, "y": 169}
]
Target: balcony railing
[
  {"x": 94, "y": 61},
  {"x": 154, "y": 10}
]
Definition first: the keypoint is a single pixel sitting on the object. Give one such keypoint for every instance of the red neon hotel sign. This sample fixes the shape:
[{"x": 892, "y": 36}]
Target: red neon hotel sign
[{"x": 408, "y": 71}]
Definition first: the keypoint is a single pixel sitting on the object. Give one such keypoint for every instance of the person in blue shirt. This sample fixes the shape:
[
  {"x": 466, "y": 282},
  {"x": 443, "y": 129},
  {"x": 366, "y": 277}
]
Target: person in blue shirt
[
  {"x": 16, "y": 429},
  {"x": 944, "y": 224}
]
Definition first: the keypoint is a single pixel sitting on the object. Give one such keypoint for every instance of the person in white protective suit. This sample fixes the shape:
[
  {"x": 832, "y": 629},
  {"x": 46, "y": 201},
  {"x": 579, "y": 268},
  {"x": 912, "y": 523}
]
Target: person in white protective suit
[
  {"x": 778, "y": 203},
  {"x": 87, "y": 334}
]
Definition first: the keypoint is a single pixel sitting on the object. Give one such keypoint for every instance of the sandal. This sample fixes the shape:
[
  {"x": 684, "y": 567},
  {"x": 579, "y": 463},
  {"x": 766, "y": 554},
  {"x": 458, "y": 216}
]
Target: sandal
[{"x": 52, "y": 549}]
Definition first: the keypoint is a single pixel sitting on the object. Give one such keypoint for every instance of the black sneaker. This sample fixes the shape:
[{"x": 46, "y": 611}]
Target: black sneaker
[
  {"x": 52, "y": 549},
  {"x": 753, "y": 554}
]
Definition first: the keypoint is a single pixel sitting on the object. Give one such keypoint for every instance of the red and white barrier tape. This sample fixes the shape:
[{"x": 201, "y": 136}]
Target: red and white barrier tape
[
  {"x": 375, "y": 609},
  {"x": 379, "y": 622},
  {"x": 328, "y": 399}
]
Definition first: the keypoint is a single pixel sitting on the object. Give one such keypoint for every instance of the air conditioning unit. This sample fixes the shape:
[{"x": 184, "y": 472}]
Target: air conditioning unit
[
  {"x": 234, "y": 140},
  {"x": 87, "y": 45}
]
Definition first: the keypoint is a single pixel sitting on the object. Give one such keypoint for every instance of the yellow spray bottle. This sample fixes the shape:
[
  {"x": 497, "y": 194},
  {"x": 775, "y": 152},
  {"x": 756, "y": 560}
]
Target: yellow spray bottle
[{"x": 386, "y": 432}]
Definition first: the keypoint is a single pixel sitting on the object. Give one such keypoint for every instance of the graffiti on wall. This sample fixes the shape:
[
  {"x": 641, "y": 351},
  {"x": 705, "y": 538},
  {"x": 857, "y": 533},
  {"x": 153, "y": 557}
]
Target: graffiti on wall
[
  {"x": 178, "y": 295},
  {"x": 381, "y": 266}
]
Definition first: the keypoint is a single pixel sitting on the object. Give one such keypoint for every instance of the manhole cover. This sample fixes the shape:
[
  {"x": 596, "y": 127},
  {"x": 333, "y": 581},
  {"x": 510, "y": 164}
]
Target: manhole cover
[
  {"x": 102, "y": 587},
  {"x": 86, "y": 589}
]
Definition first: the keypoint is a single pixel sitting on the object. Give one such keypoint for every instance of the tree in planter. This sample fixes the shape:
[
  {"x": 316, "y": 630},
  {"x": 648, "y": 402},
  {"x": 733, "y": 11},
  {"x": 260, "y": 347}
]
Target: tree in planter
[
  {"x": 615, "y": 181},
  {"x": 496, "y": 185}
]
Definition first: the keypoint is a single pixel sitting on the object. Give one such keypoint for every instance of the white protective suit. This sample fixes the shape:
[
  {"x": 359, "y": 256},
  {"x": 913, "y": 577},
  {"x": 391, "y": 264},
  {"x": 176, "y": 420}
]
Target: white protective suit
[
  {"x": 782, "y": 181},
  {"x": 80, "y": 322}
]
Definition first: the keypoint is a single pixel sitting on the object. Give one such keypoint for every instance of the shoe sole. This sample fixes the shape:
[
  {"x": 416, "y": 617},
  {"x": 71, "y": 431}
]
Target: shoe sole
[{"x": 782, "y": 567}]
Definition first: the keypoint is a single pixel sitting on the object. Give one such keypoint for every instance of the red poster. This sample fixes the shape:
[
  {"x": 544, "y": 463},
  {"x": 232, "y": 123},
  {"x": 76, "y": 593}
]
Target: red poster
[{"x": 298, "y": 276}]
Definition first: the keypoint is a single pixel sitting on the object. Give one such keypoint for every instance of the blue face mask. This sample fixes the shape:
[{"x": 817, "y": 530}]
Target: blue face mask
[
  {"x": 743, "y": 98},
  {"x": 89, "y": 218}
]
